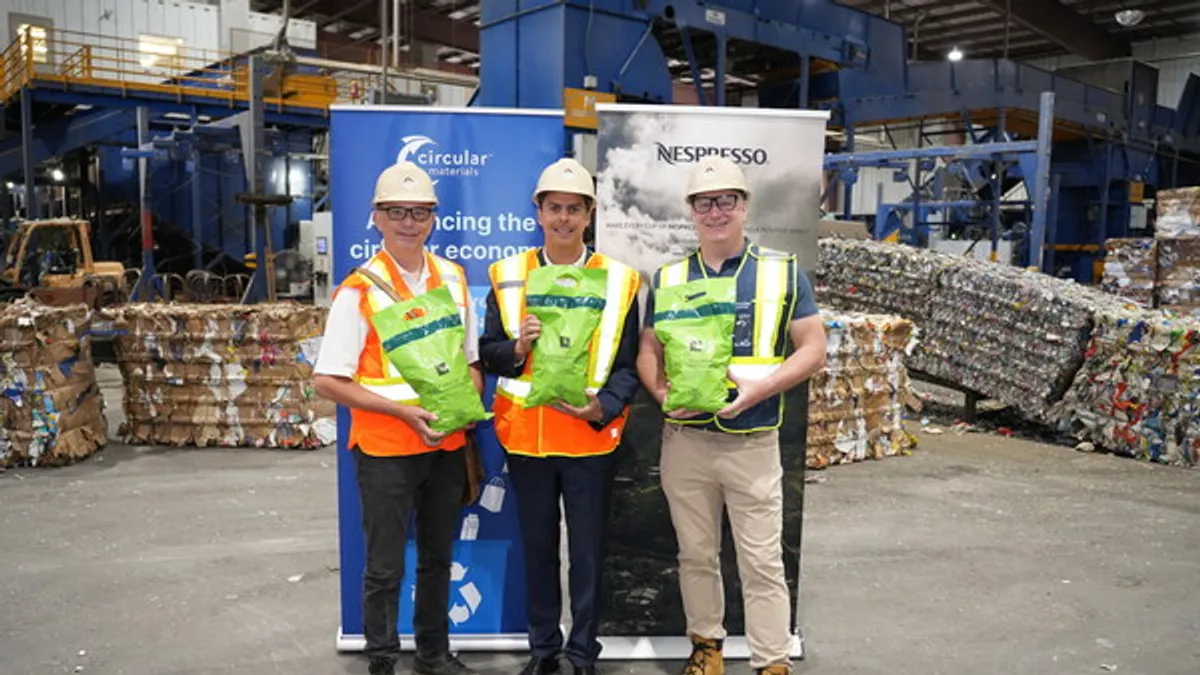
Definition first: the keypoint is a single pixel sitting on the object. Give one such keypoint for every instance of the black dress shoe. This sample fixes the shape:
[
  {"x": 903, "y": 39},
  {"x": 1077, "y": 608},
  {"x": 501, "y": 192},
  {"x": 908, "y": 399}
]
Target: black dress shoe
[
  {"x": 540, "y": 666},
  {"x": 585, "y": 670},
  {"x": 382, "y": 666},
  {"x": 446, "y": 664}
]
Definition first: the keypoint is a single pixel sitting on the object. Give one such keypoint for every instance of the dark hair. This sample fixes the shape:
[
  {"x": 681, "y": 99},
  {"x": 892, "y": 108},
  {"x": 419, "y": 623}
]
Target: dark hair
[{"x": 587, "y": 201}]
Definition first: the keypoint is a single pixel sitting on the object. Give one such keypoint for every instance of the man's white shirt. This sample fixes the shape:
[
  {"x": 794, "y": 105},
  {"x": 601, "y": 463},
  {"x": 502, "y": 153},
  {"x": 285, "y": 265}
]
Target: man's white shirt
[{"x": 346, "y": 329}]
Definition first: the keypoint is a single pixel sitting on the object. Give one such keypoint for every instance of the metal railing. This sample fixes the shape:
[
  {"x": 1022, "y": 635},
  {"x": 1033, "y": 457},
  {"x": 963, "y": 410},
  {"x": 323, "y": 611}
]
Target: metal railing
[{"x": 70, "y": 58}]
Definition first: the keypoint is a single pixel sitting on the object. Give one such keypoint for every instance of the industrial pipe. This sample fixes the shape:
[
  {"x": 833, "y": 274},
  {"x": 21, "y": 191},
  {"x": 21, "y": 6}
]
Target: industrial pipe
[
  {"x": 383, "y": 43},
  {"x": 420, "y": 74},
  {"x": 395, "y": 33}
]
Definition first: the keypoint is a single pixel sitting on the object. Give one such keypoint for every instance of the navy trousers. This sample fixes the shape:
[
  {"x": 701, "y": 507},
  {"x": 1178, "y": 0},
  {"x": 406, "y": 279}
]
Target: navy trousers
[{"x": 585, "y": 486}]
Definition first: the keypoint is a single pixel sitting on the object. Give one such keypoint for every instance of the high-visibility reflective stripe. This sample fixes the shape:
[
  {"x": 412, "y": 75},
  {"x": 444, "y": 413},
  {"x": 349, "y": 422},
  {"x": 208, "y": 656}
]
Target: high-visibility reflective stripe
[
  {"x": 618, "y": 287},
  {"x": 509, "y": 297},
  {"x": 518, "y": 390},
  {"x": 377, "y": 299},
  {"x": 771, "y": 292},
  {"x": 753, "y": 371},
  {"x": 400, "y": 392},
  {"x": 513, "y": 387},
  {"x": 451, "y": 278},
  {"x": 675, "y": 273}
]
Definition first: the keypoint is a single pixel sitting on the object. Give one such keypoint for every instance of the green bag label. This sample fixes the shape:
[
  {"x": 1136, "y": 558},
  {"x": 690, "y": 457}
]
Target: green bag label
[
  {"x": 569, "y": 302},
  {"x": 694, "y": 321},
  {"x": 423, "y": 338}
]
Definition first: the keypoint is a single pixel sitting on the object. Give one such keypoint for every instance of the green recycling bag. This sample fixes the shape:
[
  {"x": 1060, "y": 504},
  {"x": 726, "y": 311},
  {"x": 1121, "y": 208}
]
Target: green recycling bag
[
  {"x": 568, "y": 300},
  {"x": 423, "y": 337},
  {"x": 694, "y": 321}
]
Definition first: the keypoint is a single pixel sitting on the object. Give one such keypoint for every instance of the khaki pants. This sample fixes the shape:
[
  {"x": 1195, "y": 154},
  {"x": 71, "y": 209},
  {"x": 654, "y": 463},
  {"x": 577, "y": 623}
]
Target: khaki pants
[{"x": 703, "y": 471}]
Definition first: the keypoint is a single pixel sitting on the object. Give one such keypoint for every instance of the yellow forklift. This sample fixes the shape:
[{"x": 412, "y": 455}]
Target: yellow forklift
[{"x": 52, "y": 261}]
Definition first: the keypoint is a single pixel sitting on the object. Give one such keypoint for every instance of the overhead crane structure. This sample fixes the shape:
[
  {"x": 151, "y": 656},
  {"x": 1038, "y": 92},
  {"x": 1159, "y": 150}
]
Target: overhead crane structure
[{"x": 1109, "y": 145}]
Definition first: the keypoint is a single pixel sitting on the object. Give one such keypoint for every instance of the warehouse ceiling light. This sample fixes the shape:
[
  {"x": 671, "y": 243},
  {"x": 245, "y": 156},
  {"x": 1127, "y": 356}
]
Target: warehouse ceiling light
[
  {"x": 955, "y": 54},
  {"x": 1130, "y": 17}
]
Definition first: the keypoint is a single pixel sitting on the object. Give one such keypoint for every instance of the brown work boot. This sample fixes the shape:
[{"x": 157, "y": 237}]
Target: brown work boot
[
  {"x": 706, "y": 658},
  {"x": 775, "y": 669}
]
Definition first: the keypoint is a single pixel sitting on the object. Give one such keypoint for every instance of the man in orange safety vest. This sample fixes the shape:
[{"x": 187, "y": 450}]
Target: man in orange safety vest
[
  {"x": 561, "y": 452},
  {"x": 402, "y": 464}
]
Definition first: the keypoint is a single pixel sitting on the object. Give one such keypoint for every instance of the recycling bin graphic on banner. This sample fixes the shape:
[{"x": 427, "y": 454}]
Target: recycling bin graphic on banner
[{"x": 485, "y": 164}]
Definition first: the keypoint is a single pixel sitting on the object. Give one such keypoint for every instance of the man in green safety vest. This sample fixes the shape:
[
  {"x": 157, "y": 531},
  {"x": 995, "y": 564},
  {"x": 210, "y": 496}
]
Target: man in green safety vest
[{"x": 731, "y": 458}]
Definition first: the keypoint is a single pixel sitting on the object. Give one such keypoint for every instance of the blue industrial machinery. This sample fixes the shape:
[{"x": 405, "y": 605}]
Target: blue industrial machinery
[
  {"x": 160, "y": 164},
  {"x": 1109, "y": 142}
]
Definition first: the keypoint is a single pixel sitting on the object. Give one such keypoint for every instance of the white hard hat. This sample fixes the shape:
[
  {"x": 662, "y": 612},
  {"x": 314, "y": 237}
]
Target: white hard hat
[
  {"x": 715, "y": 172},
  {"x": 566, "y": 175},
  {"x": 404, "y": 182}
]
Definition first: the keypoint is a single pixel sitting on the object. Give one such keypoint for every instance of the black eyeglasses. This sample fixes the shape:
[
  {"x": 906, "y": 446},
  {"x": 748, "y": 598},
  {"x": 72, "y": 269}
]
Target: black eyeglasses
[
  {"x": 419, "y": 214},
  {"x": 726, "y": 203}
]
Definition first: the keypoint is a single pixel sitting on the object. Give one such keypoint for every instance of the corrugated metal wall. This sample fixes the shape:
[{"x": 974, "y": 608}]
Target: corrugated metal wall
[
  {"x": 227, "y": 26},
  {"x": 1175, "y": 58},
  {"x": 198, "y": 24}
]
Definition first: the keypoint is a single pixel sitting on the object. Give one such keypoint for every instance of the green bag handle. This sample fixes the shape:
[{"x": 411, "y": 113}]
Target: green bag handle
[{"x": 383, "y": 285}]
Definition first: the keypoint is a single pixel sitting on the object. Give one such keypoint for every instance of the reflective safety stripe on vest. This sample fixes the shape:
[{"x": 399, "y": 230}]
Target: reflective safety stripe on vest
[
  {"x": 509, "y": 277},
  {"x": 390, "y": 384}
]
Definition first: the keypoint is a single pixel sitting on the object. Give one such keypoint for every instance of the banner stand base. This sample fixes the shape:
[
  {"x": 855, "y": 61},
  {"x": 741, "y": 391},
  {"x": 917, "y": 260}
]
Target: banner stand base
[
  {"x": 678, "y": 648},
  {"x": 485, "y": 642},
  {"x": 615, "y": 648}
]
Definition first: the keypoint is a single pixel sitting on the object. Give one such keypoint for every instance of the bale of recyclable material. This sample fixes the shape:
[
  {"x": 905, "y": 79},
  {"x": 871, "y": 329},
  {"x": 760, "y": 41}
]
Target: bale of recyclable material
[
  {"x": 1138, "y": 391},
  {"x": 1131, "y": 269},
  {"x": 1004, "y": 332},
  {"x": 222, "y": 375},
  {"x": 876, "y": 277},
  {"x": 1008, "y": 333},
  {"x": 1178, "y": 212},
  {"x": 857, "y": 402},
  {"x": 51, "y": 410},
  {"x": 1178, "y": 280}
]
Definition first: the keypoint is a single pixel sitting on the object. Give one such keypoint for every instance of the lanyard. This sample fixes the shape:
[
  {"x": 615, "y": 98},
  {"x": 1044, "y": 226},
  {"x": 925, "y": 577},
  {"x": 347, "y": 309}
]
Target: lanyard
[{"x": 736, "y": 275}]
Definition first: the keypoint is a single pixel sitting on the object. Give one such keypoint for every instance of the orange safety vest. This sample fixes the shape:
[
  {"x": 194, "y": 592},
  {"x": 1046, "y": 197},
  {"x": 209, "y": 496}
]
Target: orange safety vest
[
  {"x": 544, "y": 431},
  {"x": 376, "y": 433}
]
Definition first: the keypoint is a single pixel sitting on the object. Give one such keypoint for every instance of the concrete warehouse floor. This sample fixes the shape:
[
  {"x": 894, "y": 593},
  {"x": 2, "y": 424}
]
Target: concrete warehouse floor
[{"x": 978, "y": 554}]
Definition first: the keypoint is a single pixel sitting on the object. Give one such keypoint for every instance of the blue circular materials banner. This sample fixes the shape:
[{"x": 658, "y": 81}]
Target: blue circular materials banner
[{"x": 485, "y": 164}]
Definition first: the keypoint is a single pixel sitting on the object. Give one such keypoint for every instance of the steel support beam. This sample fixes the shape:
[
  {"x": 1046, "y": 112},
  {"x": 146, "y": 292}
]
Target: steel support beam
[
  {"x": 262, "y": 284},
  {"x": 27, "y": 151},
  {"x": 981, "y": 151},
  {"x": 722, "y": 65},
  {"x": 253, "y": 139},
  {"x": 1041, "y": 186},
  {"x": 1064, "y": 26},
  {"x": 149, "y": 287},
  {"x": 197, "y": 197}
]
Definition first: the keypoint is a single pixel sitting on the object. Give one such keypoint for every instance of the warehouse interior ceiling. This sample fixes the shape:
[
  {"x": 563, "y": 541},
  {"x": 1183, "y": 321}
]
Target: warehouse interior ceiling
[
  {"x": 1087, "y": 28},
  {"x": 349, "y": 30}
]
